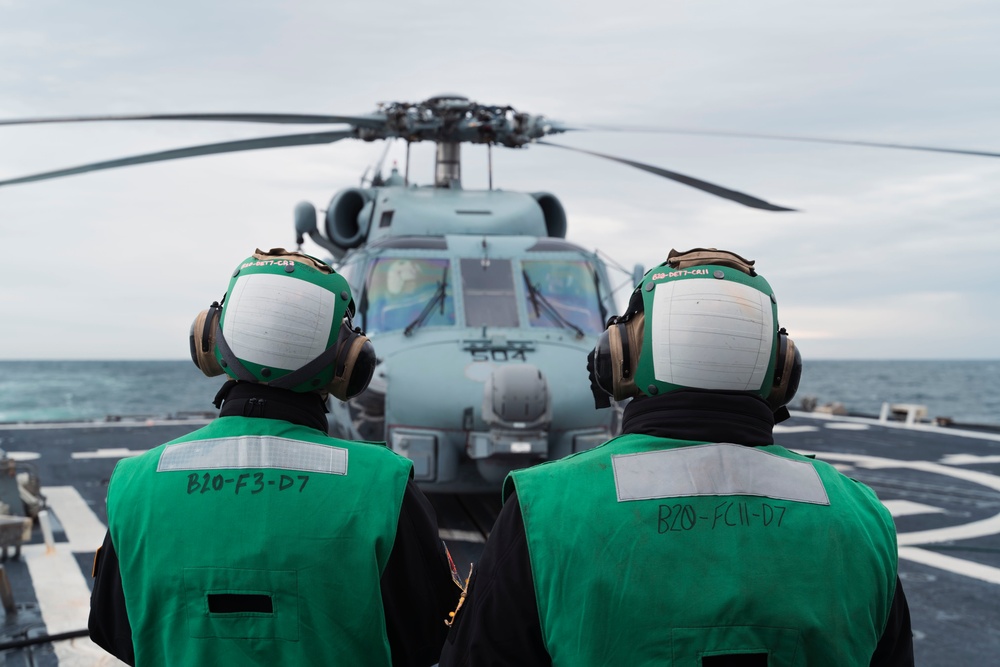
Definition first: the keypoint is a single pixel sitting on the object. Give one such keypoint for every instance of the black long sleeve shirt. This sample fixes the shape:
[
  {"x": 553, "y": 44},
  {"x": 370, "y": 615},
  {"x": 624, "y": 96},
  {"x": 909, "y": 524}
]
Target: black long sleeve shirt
[{"x": 499, "y": 624}]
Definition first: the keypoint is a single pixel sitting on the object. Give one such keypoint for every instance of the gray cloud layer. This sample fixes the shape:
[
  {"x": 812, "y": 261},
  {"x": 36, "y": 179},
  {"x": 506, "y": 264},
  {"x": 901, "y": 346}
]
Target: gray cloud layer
[{"x": 892, "y": 254}]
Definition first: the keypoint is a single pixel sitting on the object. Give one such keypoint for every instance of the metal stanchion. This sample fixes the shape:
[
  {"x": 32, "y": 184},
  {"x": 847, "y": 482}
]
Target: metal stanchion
[
  {"x": 46, "y": 523},
  {"x": 6, "y": 594}
]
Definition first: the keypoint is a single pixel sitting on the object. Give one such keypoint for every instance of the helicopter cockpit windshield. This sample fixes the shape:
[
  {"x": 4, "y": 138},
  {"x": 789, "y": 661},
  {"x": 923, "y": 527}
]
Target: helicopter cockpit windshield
[
  {"x": 562, "y": 293},
  {"x": 405, "y": 292}
]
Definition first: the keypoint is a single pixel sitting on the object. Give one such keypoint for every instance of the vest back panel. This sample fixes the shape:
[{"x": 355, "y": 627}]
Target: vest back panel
[
  {"x": 650, "y": 551},
  {"x": 256, "y": 541}
]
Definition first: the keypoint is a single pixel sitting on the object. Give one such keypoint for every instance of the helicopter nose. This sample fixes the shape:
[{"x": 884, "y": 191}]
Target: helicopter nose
[
  {"x": 517, "y": 410},
  {"x": 517, "y": 396}
]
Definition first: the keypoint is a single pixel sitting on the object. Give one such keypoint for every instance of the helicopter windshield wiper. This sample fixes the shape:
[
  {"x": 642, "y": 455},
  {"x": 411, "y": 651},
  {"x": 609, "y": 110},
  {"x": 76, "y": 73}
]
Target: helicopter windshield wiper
[
  {"x": 597, "y": 289},
  {"x": 438, "y": 297},
  {"x": 541, "y": 303}
]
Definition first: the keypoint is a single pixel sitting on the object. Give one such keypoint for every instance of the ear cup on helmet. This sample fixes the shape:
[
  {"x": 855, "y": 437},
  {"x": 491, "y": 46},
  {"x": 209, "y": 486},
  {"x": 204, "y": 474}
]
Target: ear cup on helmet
[
  {"x": 355, "y": 364},
  {"x": 787, "y": 372},
  {"x": 626, "y": 346},
  {"x": 202, "y": 341},
  {"x": 602, "y": 396},
  {"x": 363, "y": 368},
  {"x": 600, "y": 364},
  {"x": 617, "y": 356}
]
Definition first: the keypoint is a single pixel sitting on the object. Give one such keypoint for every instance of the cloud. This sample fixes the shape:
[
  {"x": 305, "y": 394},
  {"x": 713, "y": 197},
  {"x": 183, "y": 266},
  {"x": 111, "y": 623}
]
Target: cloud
[{"x": 885, "y": 238}]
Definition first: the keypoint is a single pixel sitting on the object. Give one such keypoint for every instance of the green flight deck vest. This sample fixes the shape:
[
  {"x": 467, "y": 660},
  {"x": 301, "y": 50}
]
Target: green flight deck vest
[
  {"x": 256, "y": 541},
  {"x": 649, "y": 551}
]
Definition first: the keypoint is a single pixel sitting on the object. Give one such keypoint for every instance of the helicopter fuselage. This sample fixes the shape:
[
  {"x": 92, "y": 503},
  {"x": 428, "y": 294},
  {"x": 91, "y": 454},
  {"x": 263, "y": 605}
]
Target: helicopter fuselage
[{"x": 482, "y": 317}]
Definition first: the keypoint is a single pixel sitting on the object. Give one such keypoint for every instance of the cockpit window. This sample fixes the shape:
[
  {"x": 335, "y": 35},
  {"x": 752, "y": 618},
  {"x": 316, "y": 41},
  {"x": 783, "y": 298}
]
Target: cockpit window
[
  {"x": 562, "y": 293},
  {"x": 400, "y": 289},
  {"x": 488, "y": 293}
]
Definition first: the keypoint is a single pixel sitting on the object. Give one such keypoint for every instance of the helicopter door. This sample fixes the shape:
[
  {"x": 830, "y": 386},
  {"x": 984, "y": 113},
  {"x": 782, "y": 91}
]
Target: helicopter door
[{"x": 488, "y": 293}]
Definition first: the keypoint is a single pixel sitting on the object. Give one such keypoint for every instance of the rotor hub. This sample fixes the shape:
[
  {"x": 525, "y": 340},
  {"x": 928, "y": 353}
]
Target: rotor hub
[{"x": 456, "y": 119}]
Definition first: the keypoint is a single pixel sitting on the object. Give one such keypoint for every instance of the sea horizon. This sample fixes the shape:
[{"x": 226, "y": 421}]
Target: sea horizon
[{"x": 963, "y": 391}]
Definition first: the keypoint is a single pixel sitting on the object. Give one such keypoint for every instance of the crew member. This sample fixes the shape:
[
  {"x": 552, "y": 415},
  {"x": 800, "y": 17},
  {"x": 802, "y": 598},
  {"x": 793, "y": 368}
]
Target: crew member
[
  {"x": 691, "y": 539},
  {"x": 259, "y": 539}
]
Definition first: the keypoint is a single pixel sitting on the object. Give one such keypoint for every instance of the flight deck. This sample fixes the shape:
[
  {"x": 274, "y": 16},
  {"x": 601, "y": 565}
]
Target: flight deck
[{"x": 941, "y": 484}]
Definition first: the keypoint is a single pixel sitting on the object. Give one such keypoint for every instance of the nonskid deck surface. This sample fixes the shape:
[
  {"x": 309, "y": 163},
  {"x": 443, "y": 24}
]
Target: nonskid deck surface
[{"x": 941, "y": 485}]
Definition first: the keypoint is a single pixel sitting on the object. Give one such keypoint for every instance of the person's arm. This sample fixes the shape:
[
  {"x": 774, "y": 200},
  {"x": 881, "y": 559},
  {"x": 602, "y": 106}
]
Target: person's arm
[
  {"x": 498, "y": 623},
  {"x": 417, "y": 588},
  {"x": 109, "y": 626},
  {"x": 895, "y": 647}
]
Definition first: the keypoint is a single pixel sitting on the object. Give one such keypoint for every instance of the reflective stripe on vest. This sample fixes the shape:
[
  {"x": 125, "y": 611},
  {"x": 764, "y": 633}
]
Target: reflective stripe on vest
[
  {"x": 715, "y": 470},
  {"x": 253, "y": 451}
]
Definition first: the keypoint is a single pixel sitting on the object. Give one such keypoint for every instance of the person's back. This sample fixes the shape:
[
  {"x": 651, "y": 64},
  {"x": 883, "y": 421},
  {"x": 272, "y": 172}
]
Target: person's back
[
  {"x": 259, "y": 539},
  {"x": 726, "y": 567},
  {"x": 258, "y": 524},
  {"x": 692, "y": 539}
]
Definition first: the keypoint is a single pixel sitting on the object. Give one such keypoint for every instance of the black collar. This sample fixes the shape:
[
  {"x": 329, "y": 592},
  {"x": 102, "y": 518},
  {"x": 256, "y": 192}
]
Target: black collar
[
  {"x": 249, "y": 399},
  {"x": 707, "y": 416}
]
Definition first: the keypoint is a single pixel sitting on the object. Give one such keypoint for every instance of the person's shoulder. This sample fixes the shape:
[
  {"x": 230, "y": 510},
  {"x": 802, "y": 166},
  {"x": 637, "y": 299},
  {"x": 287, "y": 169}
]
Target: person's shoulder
[
  {"x": 142, "y": 458},
  {"x": 845, "y": 486},
  {"x": 827, "y": 471},
  {"x": 373, "y": 447},
  {"x": 571, "y": 465},
  {"x": 372, "y": 450}
]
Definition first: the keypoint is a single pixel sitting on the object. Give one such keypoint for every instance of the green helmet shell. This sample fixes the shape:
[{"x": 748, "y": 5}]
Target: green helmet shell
[
  {"x": 707, "y": 327},
  {"x": 280, "y": 313}
]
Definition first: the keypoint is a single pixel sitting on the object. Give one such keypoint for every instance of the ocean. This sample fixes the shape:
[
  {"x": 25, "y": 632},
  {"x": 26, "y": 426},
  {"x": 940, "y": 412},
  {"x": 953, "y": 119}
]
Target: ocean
[{"x": 968, "y": 392}]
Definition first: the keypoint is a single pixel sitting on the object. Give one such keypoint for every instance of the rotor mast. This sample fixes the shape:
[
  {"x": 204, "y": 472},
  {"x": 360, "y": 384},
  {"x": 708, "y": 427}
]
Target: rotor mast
[{"x": 448, "y": 165}]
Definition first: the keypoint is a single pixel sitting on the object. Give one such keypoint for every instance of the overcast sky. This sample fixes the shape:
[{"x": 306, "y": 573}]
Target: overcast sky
[{"x": 894, "y": 254}]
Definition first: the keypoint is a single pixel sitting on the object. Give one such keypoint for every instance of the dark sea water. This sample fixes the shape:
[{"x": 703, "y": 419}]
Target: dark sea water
[
  {"x": 88, "y": 390},
  {"x": 966, "y": 391}
]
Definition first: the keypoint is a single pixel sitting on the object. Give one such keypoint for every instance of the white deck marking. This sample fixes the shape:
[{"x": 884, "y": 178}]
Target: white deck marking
[
  {"x": 957, "y": 565},
  {"x": 847, "y": 426},
  {"x": 968, "y": 459},
  {"x": 909, "y": 508},
  {"x": 60, "y": 587},
  {"x": 460, "y": 535},
  {"x": 116, "y": 453},
  {"x": 926, "y": 428},
  {"x": 63, "y": 594},
  {"x": 126, "y": 423},
  {"x": 778, "y": 428},
  {"x": 982, "y": 528},
  {"x": 64, "y": 602},
  {"x": 24, "y": 456},
  {"x": 84, "y": 531}
]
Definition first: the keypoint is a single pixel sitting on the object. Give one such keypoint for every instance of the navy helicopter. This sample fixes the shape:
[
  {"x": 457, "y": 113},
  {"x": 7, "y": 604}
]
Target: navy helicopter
[{"x": 481, "y": 311}]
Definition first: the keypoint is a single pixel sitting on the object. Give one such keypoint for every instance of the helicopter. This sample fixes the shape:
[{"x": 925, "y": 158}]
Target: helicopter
[{"x": 481, "y": 312}]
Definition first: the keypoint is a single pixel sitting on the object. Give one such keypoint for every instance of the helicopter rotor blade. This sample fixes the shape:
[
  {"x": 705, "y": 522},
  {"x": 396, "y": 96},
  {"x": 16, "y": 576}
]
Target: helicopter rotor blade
[
  {"x": 193, "y": 151},
  {"x": 704, "y": 186},
  {"x": 371, "y": 120},
  {"x": 784, "y": 137}
]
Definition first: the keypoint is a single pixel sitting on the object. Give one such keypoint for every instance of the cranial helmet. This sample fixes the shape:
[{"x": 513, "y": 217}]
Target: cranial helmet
[
  {"x": 285, "y": 321},
  {"x": 704, "y": 319}
]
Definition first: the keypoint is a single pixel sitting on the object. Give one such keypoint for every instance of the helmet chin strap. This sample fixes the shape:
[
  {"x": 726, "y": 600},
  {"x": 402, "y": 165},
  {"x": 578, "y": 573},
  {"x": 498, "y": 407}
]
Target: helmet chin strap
[
  {"x": 332, "y": 354},
  {"x": 229, "y": 360}
]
